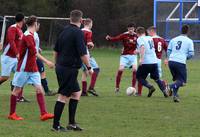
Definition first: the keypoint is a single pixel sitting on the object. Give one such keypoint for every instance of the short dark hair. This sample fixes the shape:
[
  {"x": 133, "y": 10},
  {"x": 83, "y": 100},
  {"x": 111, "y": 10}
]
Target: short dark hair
[
  {"x": 31, "y": 20},
  {"x": 130, "y": 25},
  {"x": 185, "y": 29},
  {"x": 76, "y": 15},
  {"x": 19, "y": 17},
  {"x": 152, "y": 28},
  {"x": 87, "y": 21},
  {"x": 140, "y": 30}
]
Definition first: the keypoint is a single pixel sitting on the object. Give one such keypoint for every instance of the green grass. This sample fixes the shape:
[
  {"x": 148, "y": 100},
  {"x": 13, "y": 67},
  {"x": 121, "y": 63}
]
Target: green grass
[{"x": 112, "y": 115}]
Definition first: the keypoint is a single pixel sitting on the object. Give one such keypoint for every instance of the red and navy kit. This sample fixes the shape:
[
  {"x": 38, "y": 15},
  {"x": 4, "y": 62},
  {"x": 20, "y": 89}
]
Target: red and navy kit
[
  {"x": 27, "y": 54},
  {"x": 13, "y": 40},
  {"x": 160, "y": 45},
  {"x": 129, "y": 42}
]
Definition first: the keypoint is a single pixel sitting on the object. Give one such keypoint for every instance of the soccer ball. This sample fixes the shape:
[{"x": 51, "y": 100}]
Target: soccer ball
[{"x": 130, "y": 91}]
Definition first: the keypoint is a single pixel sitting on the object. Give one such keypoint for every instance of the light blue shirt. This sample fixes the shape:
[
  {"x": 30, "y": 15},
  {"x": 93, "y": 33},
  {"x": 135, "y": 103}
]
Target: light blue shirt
[
  {"x": 180, "y": 49},
  {"x": 149, "y": 55}
]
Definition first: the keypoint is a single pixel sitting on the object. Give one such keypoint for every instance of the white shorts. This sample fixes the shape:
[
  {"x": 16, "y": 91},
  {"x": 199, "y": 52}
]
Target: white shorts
[
  {"x": 93, "y": 64},
  {"x": 8, "y": 65},
  {"x": 159, "y": 67},
  {"x": 22, "y": 78},
  {"x": 128, "y": 60}
]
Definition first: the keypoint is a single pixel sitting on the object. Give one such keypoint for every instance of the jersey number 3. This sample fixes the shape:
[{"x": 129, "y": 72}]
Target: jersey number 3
[{"x": 178, "y": 46}]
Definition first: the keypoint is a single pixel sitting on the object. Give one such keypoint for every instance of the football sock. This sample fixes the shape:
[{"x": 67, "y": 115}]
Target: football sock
[
  {"x": 140, "y": 88},
  {"x": 84, "y": 86},
  {"x": 13, "y": 103},
  {"x": 134, "y": 79},
  {"x": 176, "y": 84},
  {"x": 41, "y": 103},
  {"x": 72, "y": 110},
  {"x": 94, "y": 78},
  {"x": 118, "y": 78},
  {"x": 45, "y": 85},
  {"x": 160, "y": 84},
  {"x": 58, "y": 109},
  {"x": 145, "y": 83}
]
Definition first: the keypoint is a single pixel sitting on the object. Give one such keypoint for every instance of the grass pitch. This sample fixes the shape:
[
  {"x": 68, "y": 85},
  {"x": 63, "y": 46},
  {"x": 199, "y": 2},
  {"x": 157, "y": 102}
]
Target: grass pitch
[{"x": 111, "y": 115}]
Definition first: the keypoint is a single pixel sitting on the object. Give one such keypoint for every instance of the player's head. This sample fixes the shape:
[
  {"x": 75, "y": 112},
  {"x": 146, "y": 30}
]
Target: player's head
[
  {"x": 185, "y": 29},
  {"x": 31, "y": 22},
  {"x": 88, "y": 23},
  {"x": 140, "y": 31},
  {"x": 131, "y": 27},
  {"x": 76, "y": 17},
  {"x": 151, "y": 31},
  {"x": 20, "y": 19}
]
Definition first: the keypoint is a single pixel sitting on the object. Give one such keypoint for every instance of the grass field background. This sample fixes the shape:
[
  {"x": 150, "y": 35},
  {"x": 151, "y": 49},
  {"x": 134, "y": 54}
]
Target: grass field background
[{"x": 111, "y": 115}]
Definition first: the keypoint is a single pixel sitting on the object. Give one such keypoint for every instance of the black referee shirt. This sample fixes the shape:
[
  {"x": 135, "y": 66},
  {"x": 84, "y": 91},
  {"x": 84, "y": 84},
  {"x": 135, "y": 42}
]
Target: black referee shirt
[{"x": 70, "y": 46}]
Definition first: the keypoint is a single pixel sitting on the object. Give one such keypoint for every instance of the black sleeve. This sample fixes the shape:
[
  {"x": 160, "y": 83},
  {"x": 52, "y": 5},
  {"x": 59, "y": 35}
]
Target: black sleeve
[{"x": 80, "y": 43}]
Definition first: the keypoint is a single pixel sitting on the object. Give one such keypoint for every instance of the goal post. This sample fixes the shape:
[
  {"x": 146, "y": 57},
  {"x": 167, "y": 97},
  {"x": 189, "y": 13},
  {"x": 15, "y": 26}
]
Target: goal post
[{"x": 50, "y": 27}]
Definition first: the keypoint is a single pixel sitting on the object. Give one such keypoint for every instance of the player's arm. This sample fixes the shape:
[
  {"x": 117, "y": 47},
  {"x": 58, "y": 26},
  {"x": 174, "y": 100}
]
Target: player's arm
[
  {"x": 191, "y": 50},
  {"x": 1, "y": 46},
  {"x": 11, "y": 40},
  {"x": 90, "y": 43},
  {"x": 169, "y": 49},
  {"x": 165, "y": 46},
  {"x": 141, "y": 50},
  {"x": 116, "y": 38},
  {"x": 46, "y": 61}
]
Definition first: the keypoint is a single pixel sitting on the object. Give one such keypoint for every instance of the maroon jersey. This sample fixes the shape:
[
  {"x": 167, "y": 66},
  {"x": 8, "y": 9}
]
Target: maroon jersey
[
  {"x": 27, "y": 54},
  {"x": 13, "y": 40},
  {"x": 160, "y": 45},
  {"x": 129, "y": 42},
  {"x": 87, "y": 35}
]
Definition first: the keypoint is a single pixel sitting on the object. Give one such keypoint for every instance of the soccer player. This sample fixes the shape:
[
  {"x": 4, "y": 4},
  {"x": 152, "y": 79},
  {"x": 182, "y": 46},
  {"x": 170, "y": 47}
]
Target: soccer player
[
  {"x": 90, "y": 45},
  {"x": 180, "y": 49},
  {"x": 148, "y": 62},
  {"x": 70, "y": 52},
  {"x": 128, "y": 57},
  {"x": 27, "y": 73},
  {"x": 40, "y": 64},
  {"x": 10, "y": 55}
]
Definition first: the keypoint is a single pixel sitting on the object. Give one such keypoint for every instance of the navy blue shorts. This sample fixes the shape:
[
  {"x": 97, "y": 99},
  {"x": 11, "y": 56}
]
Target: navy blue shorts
[
  {"x": 178, "y": 71},
  {"x": 40, "y": 65},
  {"x": 67, "y": 80},
  {"x": 145, "y": 69}
]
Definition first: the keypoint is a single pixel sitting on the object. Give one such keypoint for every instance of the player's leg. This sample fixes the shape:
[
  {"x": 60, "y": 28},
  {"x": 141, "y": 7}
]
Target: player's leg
[
  {"x": 19, "y": 81},
  {"x": 94, "y": 76},
  {"x": 142, "y": 73},
  {"x": 123, "y": 62},
  {"x": 84, "y": 83},
  {"x": 35, "y": 79},
  {"x": 133, "y": 60},
  {"x": 44, "y": 81},
  {"x": 155, "y": 76}
]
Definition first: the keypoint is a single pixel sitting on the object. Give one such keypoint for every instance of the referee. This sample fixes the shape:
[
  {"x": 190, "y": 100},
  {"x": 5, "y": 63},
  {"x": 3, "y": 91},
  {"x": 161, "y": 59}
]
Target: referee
[{"x": 69, "y": 51}]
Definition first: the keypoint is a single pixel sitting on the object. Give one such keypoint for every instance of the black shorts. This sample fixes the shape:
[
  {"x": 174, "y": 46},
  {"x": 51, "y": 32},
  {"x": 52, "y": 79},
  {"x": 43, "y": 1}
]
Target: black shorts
[
  {"x": 178, "y": 71},
  {"x": 145, "y": 69},
  {"x": 40, "y": 65},
  {"x": 67, "y": 80}
]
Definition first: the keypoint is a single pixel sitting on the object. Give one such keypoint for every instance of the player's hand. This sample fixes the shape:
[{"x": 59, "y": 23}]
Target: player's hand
[
  {"x": 50, "y": 64},
  {"x": 17, "y": 56},
  {"x": 90, "y": 72},
  {"x": 108, "y": 37},
  {"x": 136, "y": 52},
  {"x": 141, "y": 61},
  {"x": 166, "y": 62},
  {"x": 1, "y": 46}
]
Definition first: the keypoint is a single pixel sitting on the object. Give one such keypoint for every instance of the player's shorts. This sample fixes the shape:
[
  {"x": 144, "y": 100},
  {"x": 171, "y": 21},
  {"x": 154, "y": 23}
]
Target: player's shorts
[
  {"x": 40, "y": 65},
  {"x": 128, "y": 60},
  {"x": 22, "y": 78},
  {"x": 178, "y": 71},
  {"x": 93, "y": 64},
  {"x": 67, "y": 80},
  {"x": 8, "y": 65},
  {"x": 159, "y": 67},
  {"x": 145, "y": 69}
]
